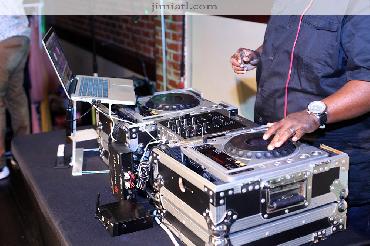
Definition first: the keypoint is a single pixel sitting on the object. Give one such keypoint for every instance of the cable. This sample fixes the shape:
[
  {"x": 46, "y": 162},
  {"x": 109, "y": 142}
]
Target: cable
[
  {"x": 84, "y": 114},
  {"x": 164, "y": 47},
  {"x": 112, "y": 128},
  {"x": 126, "y": 121},
  {"x": 169, "y": 233},
  {"x": 143, "y": 168},
  {"x": 292, "y": 59},
  {"x": 150, "y": 135},
  {"x": 122, "y": 120},
  {"x": 91, "y": 150},
  {"x": 96, "y": 172},
  {"x": 111, "y": 116},
  {"x": 146, "y": 148}
]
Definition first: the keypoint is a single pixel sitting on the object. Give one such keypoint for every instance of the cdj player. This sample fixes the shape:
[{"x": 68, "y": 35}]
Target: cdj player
[{"x": 231, "y": 186}]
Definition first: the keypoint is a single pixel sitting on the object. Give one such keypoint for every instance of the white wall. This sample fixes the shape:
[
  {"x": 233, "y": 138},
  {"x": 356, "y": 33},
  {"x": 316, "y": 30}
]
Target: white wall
[{"x": 211, "y": 40}]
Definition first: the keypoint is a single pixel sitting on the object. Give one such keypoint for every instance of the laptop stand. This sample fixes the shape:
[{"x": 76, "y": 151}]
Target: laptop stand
[{"x": 77, "y": 153}]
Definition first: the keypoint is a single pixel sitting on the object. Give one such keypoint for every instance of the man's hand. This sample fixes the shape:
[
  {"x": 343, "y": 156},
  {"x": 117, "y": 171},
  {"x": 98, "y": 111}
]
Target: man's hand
[
  {"x": 244, "y": 60},
  {"x": 293, "y": 126}
]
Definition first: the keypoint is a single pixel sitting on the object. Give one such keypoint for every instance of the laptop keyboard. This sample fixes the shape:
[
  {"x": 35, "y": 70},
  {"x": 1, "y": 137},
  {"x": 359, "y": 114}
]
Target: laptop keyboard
[{"x": 93, "y": 87}]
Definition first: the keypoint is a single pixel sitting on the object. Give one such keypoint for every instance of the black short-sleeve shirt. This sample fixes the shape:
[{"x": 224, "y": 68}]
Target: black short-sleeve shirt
[{"x": 331, "y": 50}]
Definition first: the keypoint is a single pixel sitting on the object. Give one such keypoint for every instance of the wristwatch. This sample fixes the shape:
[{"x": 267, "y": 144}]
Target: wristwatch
[{"x": 318, "y": 109}]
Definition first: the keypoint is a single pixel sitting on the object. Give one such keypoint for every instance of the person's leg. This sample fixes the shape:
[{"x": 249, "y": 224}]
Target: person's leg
[
  {"x": 2, "y": 124},
  {"x": 4, "y": 75},
  {"x": 13, "y": 54},
  {"x": 16, "y": 99},
  {"x": 359, "y": 193},
  {"x": 359, "y": 219}
]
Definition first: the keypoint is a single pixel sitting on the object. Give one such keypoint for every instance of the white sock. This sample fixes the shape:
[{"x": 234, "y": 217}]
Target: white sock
[{"x": 4, "y": 172}]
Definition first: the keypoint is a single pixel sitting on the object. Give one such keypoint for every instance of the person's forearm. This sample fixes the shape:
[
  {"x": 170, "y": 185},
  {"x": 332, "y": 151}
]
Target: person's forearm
[{"x": 351, "y": 101}]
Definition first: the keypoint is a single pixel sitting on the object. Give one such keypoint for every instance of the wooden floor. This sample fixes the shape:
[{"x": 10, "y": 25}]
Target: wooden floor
[{"x": 12, "y": 229}]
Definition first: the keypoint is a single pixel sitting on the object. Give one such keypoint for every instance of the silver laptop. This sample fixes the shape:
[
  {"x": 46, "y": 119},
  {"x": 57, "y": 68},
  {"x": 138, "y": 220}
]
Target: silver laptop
[{"x": 86, "y": 88}]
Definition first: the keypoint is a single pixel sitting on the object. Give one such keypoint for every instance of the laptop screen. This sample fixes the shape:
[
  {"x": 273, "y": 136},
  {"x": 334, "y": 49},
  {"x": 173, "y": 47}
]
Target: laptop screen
[{"x": 58, "y": 58}]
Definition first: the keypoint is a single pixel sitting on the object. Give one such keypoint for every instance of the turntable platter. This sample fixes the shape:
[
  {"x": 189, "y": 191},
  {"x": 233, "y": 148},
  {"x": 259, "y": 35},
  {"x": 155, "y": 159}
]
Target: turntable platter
[
  {"x": 252, "y": 146},
  {"x": 172, "y": 101}
]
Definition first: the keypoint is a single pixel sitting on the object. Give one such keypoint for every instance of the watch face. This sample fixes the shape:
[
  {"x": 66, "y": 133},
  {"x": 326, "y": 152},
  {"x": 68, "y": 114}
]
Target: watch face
[{"x": 317, "y": 107}]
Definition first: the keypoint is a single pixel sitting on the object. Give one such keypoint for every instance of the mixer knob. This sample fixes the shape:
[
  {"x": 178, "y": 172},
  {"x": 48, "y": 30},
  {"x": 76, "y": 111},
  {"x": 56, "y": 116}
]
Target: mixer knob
[
  {"x": 248, "y": 155},
  {"x": 268, "y": 155},
  {"x": 276, "y": 153},
  {"x": 258, "y": 155}
]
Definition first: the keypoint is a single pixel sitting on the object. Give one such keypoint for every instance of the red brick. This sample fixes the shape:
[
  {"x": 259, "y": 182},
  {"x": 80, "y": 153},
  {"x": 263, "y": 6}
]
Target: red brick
[
  {"x": 147, "y": 51},
  {"x": 176, "y": 57},
  {"x": 176, "y": 36},
  {"x": 159, "y": 86},
  {"x": 174, "y": 65},
  {"x": 146, "y": 34},
  {"x": 177, "y": 18},
  {"x": 174, "y": 46},
  {"x": 159, "y": 77},
  {"x": 176, "y": 74},
  {"x": 176, "y": 27},
  {"x": 173, "y": 83},
  {"x": 157, "y": 22}
]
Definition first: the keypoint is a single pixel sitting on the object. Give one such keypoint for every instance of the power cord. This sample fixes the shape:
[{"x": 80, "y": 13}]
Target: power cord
[
  {"x": 119, "y": 119},
  {"x": 292, "y": 59},
  {"x": 165, "y": 228},
  {"x": 84, "y": 114}
]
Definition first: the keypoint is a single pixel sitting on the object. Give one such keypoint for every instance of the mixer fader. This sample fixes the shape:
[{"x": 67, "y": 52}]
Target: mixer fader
[{"x": 197, "y": 125}]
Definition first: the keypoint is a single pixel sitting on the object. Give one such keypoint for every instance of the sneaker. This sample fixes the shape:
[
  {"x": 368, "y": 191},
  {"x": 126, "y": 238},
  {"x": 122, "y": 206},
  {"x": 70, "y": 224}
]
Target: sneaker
[{"x": 4, "y": 172}]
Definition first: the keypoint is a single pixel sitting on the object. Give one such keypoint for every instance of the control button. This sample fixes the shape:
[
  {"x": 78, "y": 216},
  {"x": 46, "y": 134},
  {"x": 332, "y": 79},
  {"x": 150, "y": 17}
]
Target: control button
[
  {"x": 248, "y": 155},
  {"x": 316, "y": 153},
  {"x": 268, "y": 155},
  {"x": 304, "y": 156},
  {"x": 276, "y": 153}
]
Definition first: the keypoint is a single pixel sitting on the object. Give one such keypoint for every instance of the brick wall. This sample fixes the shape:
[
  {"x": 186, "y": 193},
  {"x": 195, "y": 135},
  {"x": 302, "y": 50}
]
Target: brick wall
[
  {"x": 174, "y": 36},
  {"x": 140, "y": 35}
]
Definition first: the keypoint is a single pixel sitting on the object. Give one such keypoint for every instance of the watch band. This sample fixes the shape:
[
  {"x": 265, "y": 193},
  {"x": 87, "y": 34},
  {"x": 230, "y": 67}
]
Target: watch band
[{"x": 322, "y": 118}]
